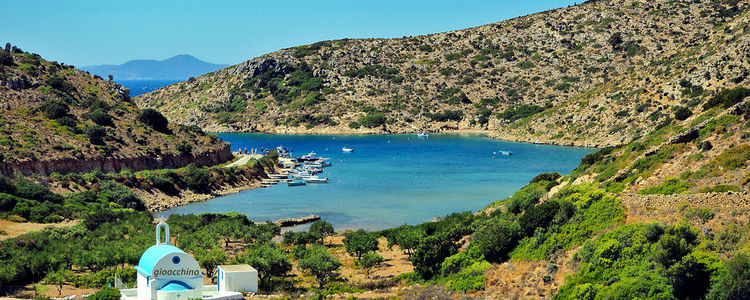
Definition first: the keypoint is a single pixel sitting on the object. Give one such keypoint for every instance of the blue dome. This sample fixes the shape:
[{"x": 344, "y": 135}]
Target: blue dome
[
  {"x": 175, "y": 286},
  {"x": 152, "y": 255}
]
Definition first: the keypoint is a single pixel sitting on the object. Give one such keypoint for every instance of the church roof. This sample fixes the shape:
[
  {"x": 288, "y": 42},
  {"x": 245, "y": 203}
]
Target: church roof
[{"x": 152, "y": 255}]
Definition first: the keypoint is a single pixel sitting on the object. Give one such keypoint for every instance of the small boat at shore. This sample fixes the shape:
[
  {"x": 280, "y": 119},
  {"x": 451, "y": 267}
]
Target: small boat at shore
[
  {"x": 307, "y": 157},
  {"x": 423, "y": 135},
  {"x": 345, "y": 149},
  {"x": 315, "y": 179},
  {"x": 296, "y": 183}
]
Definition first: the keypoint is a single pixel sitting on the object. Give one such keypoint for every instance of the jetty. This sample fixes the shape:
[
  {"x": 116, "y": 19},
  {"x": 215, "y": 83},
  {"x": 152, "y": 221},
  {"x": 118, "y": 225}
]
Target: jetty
[{"x": 289, "y": 222}]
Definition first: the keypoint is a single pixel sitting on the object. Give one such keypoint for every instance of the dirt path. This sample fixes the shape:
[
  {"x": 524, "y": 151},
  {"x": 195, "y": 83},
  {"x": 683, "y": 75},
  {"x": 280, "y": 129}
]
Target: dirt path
[{"x": 14, "y": 229}]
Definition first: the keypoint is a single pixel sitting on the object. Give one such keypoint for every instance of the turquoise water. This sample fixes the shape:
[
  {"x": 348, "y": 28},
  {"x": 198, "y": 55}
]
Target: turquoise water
[{"x": 390, "y": 180}]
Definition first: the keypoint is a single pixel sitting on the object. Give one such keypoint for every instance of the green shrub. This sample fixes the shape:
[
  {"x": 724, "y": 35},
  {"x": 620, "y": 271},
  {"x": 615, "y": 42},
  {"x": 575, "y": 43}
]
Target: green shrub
[
  {"x": 100, "y": 117},
  {"x": 109, "y": 293},
  {"x": 735, "y": 282},
  {"x": 96, "y": 134},
  {"x": 371, "y": 120},
  {"x": 430, "y": 254},
  {"x": 670, "y": 186},
  {"x": 6, "y": 59},
  {"x": 30, "y": 190},
  {"x": 54, "y": 108},
  {"x": 154, "y": 119},
  {"x": 521, "y": 112},
  {"x": 722, "y": 188},
  {"x": 681, "y": 113},
  {"x": 495, "y": 241},
  {"x": 545, "y": 177},
  {"x": 197, "y": 179},
  {"x": 727, "y": 97},
  {"x": 184, "y": 148},
  {"x": 111, "y": 191}
]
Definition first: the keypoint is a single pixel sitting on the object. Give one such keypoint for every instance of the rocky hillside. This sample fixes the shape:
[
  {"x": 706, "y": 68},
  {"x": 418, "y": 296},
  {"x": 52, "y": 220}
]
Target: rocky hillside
[
  {"x": 595, "y": 74},
  {"x": 54, "y": 118}
]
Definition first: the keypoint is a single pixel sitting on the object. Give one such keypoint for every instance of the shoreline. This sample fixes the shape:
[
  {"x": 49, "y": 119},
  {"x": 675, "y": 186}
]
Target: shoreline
[{"x": 486, "y": 133}]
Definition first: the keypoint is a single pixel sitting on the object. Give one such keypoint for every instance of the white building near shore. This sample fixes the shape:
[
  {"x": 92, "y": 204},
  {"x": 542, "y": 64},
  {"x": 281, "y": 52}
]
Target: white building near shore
[{"x": 165, "y": 272}]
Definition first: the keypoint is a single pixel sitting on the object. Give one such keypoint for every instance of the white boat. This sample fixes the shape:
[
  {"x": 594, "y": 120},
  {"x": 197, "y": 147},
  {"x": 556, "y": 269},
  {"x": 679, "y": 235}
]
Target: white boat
[
  {"x": 347, "y": 149},
  {"x": 316, "y": 179},
  {"x": 296, "y": 183},
  {"x": 423, "y": 135},
  {"x": 505, "y": 152}
]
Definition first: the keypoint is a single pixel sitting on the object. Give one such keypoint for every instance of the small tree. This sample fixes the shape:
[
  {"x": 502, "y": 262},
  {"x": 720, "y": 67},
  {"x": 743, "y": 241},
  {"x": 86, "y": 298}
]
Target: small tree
[
  {"x": 320, "y": 264},
  {"x": 59, "y": 278},
  {"x": 408, "y": 239},
  {"x": 321, "y": 229},
  {"x": 269, "y": 260},
  {"x": 370, "y": 260},
  {"x": 209, "y": 259},
  {"x": 110, "y": 77},
  {"x": 360, "y": 242}
]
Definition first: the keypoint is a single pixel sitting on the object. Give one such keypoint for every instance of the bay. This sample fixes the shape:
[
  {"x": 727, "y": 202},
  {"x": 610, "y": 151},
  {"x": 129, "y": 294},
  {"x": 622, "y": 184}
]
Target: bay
[{"x": 390, "y": 180}]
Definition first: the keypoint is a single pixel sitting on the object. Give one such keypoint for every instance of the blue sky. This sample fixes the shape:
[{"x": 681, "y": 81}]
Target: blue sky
[{"x": 112, "y": 32}]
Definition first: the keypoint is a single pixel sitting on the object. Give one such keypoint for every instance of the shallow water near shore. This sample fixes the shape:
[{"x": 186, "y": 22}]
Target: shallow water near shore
[{"x": 390, "y": 180}]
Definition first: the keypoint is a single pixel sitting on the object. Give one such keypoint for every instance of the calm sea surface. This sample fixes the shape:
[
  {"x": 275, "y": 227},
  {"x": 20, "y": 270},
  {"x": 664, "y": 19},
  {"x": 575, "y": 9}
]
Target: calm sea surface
[
  {"x": 390, "y": 180},
  {"x": 138, "y": 87}
]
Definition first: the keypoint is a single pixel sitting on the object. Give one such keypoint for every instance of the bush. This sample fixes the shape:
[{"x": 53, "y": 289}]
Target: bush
[
  {"x": 34, "y": 191},
  {"x": 96, "y": 134},
  {"x": 681, "y": 113},
  {"x": 521, "y": 112},
  {"x": 100, "y": 117},
  {"x": 670, "y": 186},
  {"x": 54, "y": 108},
  {"x": 111, "y": 191},
  {"x": 546, "y": 177},
  {"x": 430, "y": 254},
  {"x": 354, "y": 125},
  {"x": 538, "y": 216},
  {"x": 197, "y": 179},
  {"x": 496, "y": 240},
  {"x": 735, "y": 282},
  {"x": 727, "y": 97},
  {"x": 154, "y": 119},
  {"x": 184, "y": 148},
  {"x": 109, "y": 293},
  {"x": 6, "y": 186},
  {"x": 6, "y": 59},
  {"x": 705, "y": 146},
  {"x": 371, "y": 120}
]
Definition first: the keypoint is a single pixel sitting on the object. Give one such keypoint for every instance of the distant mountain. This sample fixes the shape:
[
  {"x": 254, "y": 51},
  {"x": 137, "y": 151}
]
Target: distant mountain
[{"x": 180, "y": 67}]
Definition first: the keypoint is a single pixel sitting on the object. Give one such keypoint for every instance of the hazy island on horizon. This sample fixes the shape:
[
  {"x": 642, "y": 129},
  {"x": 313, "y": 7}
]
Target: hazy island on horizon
[{"x": 179, "y": 67}]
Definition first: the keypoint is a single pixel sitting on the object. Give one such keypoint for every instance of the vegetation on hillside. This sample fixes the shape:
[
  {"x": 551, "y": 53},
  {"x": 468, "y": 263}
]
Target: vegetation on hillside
[{"x": 51, "y": 111}]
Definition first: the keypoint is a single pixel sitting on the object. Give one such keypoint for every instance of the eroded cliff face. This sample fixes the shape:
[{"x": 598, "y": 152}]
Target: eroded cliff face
[{"x": 116, "y": 164}]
